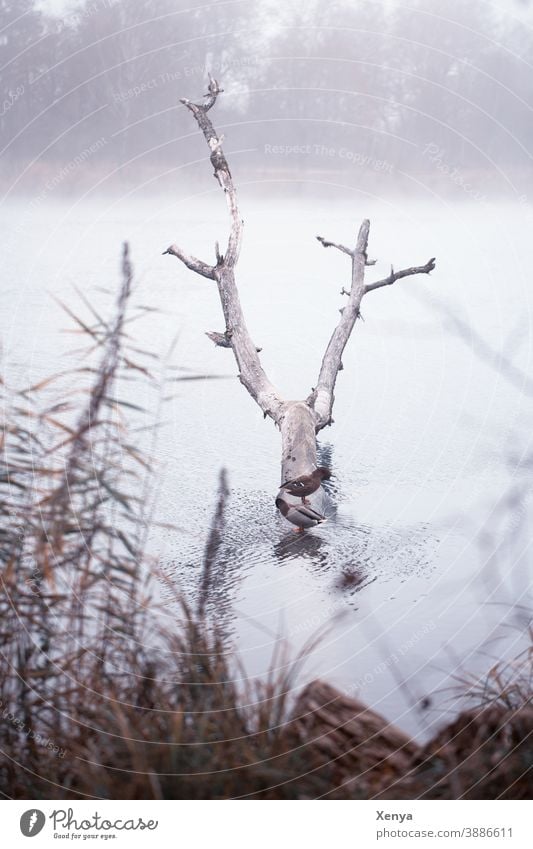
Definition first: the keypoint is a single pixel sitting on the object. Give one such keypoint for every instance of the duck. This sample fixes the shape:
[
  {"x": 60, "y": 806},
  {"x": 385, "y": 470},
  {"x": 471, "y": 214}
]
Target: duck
[
  {"x": 299, "y": 514},
  {"x": 306, "y": 484}
]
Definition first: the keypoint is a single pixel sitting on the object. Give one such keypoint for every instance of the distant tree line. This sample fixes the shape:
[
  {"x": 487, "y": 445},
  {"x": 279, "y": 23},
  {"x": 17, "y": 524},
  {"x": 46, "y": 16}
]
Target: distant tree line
[{"x": 396, "y": 85}]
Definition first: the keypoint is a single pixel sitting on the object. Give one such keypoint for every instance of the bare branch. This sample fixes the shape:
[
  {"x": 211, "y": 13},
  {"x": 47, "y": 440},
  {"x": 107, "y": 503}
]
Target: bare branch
[
  {"x": 405, "y": 272},
  {"x": 220, "y": 166},
  {"x": 327, "y": 244},
  {"x": 191, "y": 262},
  {"x": 322, "y": 397},
  {"x": 323, "y": 401},
  {"x": 236, "y": 335}
]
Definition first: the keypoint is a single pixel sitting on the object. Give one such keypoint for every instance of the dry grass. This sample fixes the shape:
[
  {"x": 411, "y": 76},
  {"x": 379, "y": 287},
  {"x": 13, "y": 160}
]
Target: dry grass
[{"x": 97, "y": 696}]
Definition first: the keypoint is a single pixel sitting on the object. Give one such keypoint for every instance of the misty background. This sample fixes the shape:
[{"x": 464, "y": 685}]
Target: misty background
[
  {"x": 416, "y": 115},
  {"x": 399, "y": 92}
]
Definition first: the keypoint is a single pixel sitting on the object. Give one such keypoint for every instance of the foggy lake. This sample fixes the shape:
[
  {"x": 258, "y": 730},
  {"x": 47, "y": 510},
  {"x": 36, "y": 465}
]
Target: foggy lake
[{"x": 429, "y": 437}]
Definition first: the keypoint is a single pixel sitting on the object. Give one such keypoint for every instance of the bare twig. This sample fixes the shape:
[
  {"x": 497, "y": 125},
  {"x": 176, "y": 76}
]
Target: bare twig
[
  {"x": 323, "y": 403},
  {"x": 405, "y": 272},
  {"x": 326, "y": 244},
  {"x": 323, "y": 397},
  {"x": 191, "y": 262}
]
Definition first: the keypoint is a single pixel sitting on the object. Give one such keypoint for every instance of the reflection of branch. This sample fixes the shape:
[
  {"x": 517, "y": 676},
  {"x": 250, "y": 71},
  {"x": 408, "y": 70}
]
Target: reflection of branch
[
  {"x": 483, "y": 350},
  {"x": 213, "y": 543},
  {"x": 489, "y": 355}
]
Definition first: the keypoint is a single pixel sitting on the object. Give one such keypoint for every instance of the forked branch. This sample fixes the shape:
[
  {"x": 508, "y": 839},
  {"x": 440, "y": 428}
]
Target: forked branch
[
  {"x": 298, "y": 421},
  {"x": 322, "y": 398}
]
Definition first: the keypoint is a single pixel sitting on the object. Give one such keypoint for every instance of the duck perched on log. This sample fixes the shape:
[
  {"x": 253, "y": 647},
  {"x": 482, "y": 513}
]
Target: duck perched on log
[
  {"x": 300, "y": 515},
  {"x": 306, "y": 484}
]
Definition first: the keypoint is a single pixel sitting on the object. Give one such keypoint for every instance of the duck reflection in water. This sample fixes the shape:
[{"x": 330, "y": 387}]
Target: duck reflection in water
[{"x": 306, "y": 546}]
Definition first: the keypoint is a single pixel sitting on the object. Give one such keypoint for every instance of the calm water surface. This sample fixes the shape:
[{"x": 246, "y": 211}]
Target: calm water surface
[{"x": 426, "y": 442}]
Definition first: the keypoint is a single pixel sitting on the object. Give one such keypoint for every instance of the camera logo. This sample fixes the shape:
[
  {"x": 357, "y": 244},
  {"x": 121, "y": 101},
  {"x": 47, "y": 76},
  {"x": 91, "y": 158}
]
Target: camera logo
[{"x": 32, "y": 822}]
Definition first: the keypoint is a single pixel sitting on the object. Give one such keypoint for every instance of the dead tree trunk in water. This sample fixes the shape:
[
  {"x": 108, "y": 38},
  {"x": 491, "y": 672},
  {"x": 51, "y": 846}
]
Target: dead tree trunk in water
[{"x": 298, "y": 421}]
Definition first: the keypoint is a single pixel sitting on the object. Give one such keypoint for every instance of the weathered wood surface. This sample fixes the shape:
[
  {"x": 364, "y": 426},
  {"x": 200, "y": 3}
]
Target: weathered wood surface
[{"x": 298, "y": 421}]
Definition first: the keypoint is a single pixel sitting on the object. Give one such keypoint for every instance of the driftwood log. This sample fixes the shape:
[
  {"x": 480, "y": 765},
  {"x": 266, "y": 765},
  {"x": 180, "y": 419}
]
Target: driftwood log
[{"x": 298, "y": 421}]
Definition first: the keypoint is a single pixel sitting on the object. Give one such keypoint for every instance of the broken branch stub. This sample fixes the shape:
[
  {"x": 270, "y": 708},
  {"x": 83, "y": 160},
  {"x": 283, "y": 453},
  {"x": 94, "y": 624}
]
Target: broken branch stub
[{"x": 298, "y": 421}]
